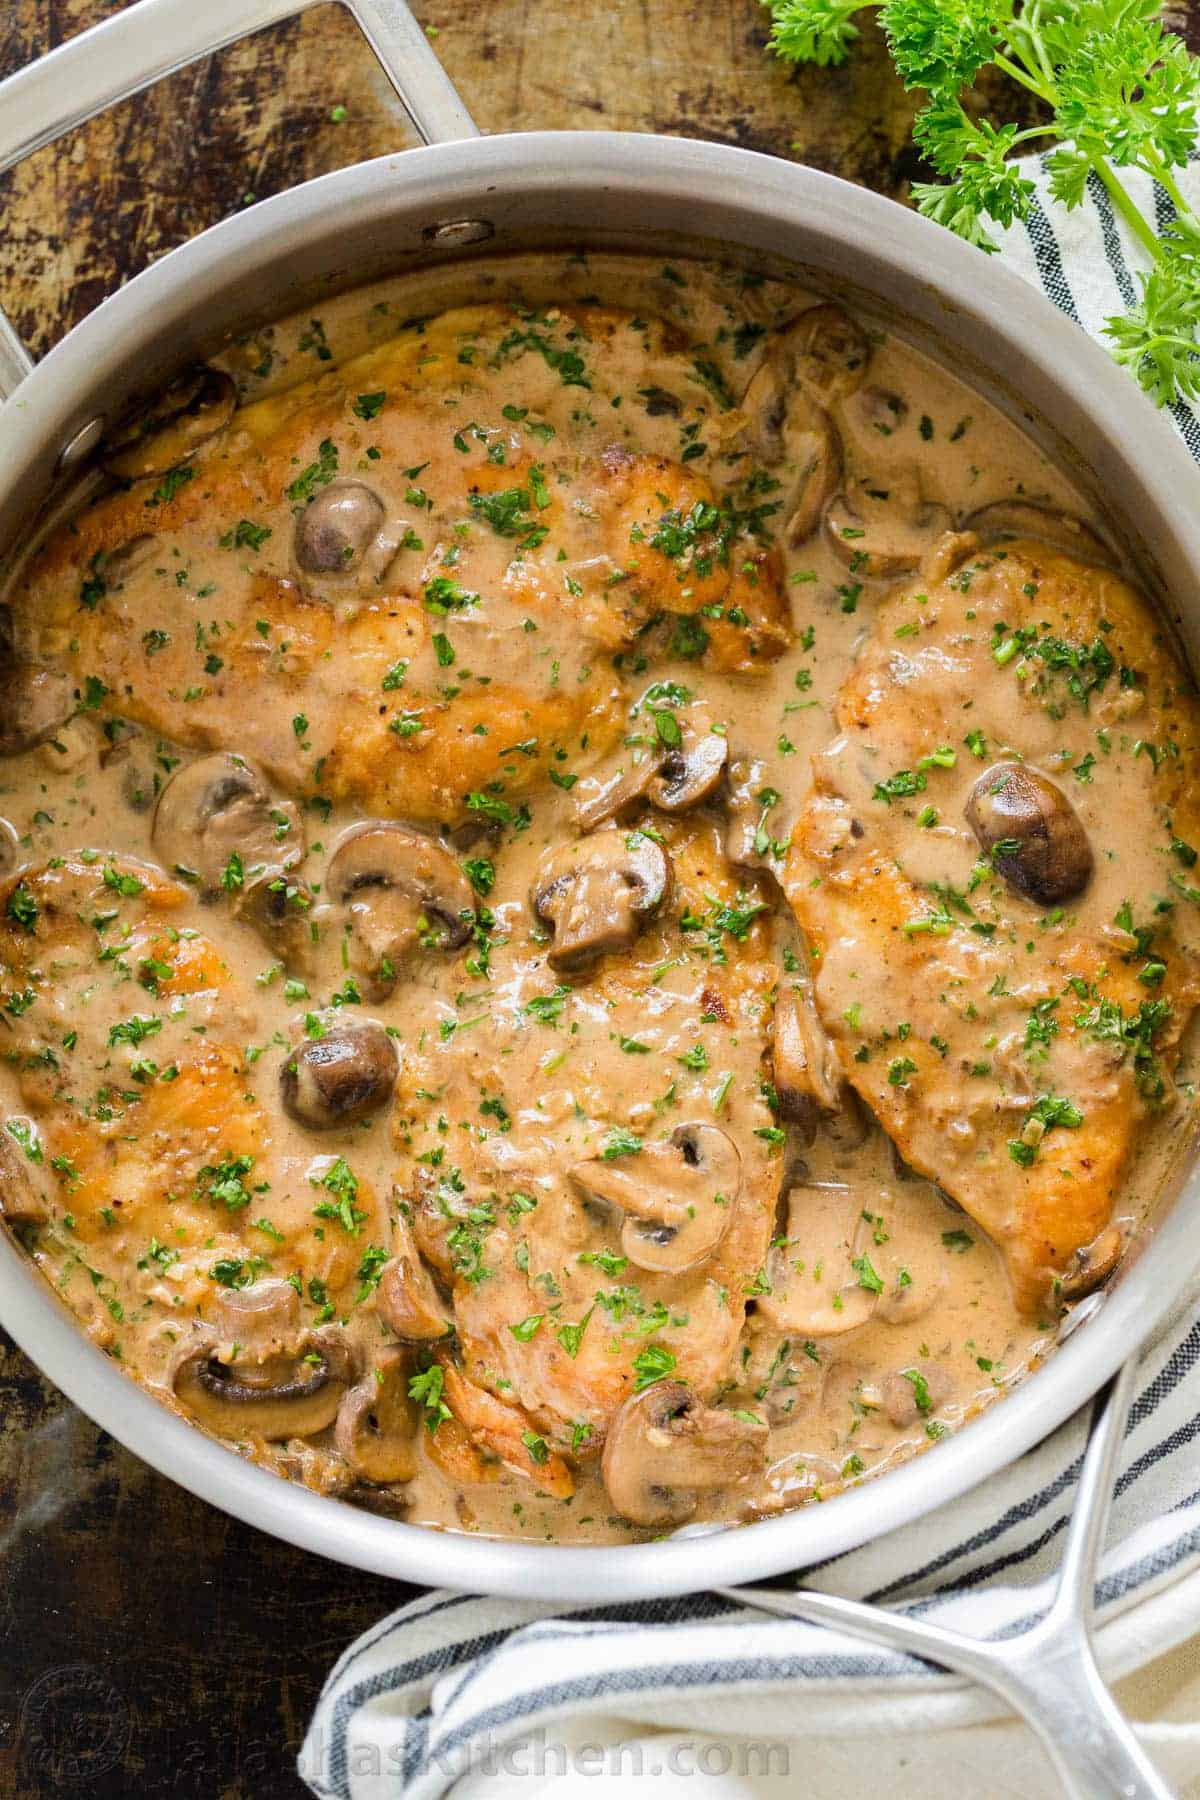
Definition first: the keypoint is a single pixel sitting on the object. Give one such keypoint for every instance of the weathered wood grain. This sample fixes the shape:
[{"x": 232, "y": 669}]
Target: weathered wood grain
[
  {"x": 154, "y": 1647},
  {"x": 83, "y": 215}
]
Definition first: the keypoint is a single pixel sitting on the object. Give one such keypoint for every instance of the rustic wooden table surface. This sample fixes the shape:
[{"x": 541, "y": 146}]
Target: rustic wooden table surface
[{"x": 152, "y": 1645}]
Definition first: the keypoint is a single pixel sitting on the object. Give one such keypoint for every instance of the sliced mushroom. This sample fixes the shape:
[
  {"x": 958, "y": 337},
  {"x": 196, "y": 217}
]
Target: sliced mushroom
[
  {"x": 1032, "y": 832},
  {"x": 1045, "y": 524},
  {"x": 269, "y": 1397},
  {"x": 788, "y": 432},
  {"x": 335, "y": 531},
  {"x": 678, "y": 1196},
  {"x": 613, "y": 789},
  {"x": 882, "y": 533},
  {"x": 218, "y": 820},
  {"x": 196, "y": 407},
  {"x": 598, "y": 893},
  {"x": 399, "y": 888},
  {"x": 406, "y": 1299},
  {"x": 264, "y": 1317},
  {"x": 673, "y": 780},
  {"x": 689, "y": 773},
  {"x": 830, "y": 352},
  {"x": 816, "y": 1289},
  {"x": 664, "y": 1449},
  {"x": 10, "y": 849},
  {"x": 807, "y": 1077},
  {"x": 345, "y": 1074},
  {"x": 35, "y": 702},
  {"x": 912, "y": 1394},
  {"x": 1091, "y": 1266},
  {"x": 23, "y": 1199},
  {"x": 377, "y": 1422},
  {"x": 130, "y": 751},
  {"x": 279, "y": 908}
]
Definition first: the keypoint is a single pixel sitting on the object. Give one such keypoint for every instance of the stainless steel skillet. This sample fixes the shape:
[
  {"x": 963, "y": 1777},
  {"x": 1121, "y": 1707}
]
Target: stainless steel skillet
[{"x": 456, "y": 199}]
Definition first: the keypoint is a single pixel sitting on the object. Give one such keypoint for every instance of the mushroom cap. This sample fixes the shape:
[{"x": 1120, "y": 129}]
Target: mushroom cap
[
  {"x": 679, "y": 1196},
  {"x": 884, "y": 538},
  {"x": 598, "y": 892},
  {"x": 1033, "y": 833},
  {"x": 611, "y": 790},
  {"x": 280, "y": 910},
  {"x": 664, "y": 1448},
  {"x": 406, "y": 1299},
  {"x": 377, "y": 1422},
  {"x": 196, "y": 407},
  {"x": 689, "y": 773},
  {"x": 34, "y": 702},
  {"x": 1091, "y": 1265},
  {"x": 272, "y": 1396},
  {"x": 805, "y": 1070},
  {"x": 344, "y": 1075},
  {"x": 671, "y": 779},
  {"x": 400, "y": 888},
  {"x": 1044, "y": 524},
  {"x": 219, "y": 806},
  {"x": 335, "y": 530}
]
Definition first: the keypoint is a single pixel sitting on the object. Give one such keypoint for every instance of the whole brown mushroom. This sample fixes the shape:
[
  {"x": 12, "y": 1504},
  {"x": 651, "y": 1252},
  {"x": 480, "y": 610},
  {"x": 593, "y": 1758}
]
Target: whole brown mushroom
[
  {"x": 336, "y": 529},
  {"x": 346, "y": 1074},
  {"x": 1031, "y": 831}
]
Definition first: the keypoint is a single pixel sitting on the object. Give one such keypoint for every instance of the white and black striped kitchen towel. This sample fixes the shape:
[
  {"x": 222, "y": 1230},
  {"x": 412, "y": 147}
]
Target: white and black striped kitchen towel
[{"x": 695, "y": 1697}]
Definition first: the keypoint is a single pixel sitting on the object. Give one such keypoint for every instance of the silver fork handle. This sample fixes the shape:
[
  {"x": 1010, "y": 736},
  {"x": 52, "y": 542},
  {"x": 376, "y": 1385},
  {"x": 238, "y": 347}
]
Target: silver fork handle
[
  {"x": 153, "y": 38},
  {"x": 1048, "y": 1674}
]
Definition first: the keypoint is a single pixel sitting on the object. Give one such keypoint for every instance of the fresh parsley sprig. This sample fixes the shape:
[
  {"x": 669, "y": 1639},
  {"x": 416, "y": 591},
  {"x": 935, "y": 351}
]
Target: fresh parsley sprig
[{"x": 1122, "y": 92}]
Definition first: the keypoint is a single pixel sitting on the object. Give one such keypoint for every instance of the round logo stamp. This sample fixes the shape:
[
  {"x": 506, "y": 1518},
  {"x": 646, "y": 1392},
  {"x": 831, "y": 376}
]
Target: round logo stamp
[{"x": 73, "y": 1724}]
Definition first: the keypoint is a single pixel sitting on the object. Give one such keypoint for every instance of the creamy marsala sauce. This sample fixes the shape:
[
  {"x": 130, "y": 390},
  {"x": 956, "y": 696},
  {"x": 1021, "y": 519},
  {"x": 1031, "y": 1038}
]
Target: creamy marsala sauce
[{"x": 411, "y": 1068}]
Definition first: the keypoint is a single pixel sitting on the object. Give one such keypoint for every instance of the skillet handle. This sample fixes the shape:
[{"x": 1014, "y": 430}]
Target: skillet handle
[{"x": 153, "y": 38}]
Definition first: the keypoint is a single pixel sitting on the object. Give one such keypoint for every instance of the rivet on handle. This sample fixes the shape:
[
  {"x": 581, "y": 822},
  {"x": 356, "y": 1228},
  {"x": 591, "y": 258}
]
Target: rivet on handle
[
  {"x": 81, "y": 445},
  {"x": 459, "y": 231}
]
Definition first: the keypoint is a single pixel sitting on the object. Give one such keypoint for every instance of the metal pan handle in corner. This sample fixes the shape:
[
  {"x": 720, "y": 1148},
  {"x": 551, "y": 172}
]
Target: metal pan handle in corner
[{"x": 154, "y": 38}]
